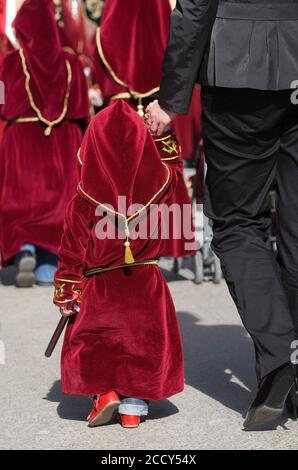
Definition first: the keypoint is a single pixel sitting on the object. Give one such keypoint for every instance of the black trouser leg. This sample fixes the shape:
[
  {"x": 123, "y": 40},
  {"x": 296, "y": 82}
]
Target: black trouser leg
[
  {"x": 287, "y": 211},
  {"x": 242, "y": 136}
]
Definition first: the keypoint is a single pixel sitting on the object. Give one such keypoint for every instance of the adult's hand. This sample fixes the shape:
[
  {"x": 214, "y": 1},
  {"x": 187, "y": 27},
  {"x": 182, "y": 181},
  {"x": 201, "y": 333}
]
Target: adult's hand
[{"x": 157, "y": 118}]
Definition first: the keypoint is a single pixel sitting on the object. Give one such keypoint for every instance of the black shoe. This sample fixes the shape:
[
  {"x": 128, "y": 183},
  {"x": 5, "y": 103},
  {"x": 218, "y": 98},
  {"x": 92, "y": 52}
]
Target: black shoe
[
  {"x": 292, "y": 404},
  {"x": 271, "y": 397},
  {"x": 25, "y": 263},
  {"x": 292, "y": 398}
]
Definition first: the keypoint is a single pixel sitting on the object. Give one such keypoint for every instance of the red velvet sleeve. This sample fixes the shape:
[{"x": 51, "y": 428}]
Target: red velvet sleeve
[
  {"x": 168, "y": 147},
  {"x": 70, "y": 273}
]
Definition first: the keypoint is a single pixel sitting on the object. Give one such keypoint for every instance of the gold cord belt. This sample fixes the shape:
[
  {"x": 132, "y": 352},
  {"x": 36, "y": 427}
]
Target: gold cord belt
[
  {"x": 27, "y": 119},
  {"x": 91, "y": 272}
]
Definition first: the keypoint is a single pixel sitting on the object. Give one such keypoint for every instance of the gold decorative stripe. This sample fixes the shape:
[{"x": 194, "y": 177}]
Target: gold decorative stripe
[
  {"x": 68, "y": 280},
  {"x": 171, "y": 158},
  {"x": 93, "y": 271},
  {"x": 122, "y": 96},
  {"x": 70, "y": 50},
  {"x": 79, "y": 158},
  {"x": 27, "y": 119},
  {"x": 49, "y": 124},
  {"x": 135, "y": 214},
  {"x": 133, "y": 93},
  {"x": 62, "y": 302},
  {"x": 164, "y": 137}
]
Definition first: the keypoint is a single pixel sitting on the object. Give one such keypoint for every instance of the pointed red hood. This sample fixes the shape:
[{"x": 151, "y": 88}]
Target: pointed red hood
[
  {"x": 119, "y": 158},
  {"x": 72, "y": 30},
  {"x": 131, "y": 42},
  {"x": 37, "y": 34}
]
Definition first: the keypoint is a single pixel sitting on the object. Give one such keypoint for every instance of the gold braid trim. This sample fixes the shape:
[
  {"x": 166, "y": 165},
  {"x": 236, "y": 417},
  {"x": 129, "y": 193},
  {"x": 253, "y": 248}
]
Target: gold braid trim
[
  {"x": 49, "y": 124},
  {"x": 177, "y": 157},
  {"x": 68, "y": 280},
  {"x": 128, "y": 257},
  {"x": 79, "y": 158},
  {"x": 125, "y": 95},
  {"x": 91, "y": 272},
  {"x": 27, "y": 119},
  {"x": 165, "y": 137},
  {"x": 133, "y": 93}
]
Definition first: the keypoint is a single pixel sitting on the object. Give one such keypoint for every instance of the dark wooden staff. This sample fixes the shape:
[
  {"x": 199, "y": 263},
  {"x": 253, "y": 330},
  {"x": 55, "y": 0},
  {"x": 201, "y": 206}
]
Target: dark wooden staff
[{"x": 57, "y": 333}]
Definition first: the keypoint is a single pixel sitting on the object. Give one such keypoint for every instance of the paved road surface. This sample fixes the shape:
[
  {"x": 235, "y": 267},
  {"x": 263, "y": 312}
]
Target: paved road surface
[{"x": 208, "y": 415}]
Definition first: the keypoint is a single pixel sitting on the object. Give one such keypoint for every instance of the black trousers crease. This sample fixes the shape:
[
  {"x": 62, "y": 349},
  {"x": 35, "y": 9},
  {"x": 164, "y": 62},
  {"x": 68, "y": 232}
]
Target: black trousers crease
[{"x": 251, "y": 146}]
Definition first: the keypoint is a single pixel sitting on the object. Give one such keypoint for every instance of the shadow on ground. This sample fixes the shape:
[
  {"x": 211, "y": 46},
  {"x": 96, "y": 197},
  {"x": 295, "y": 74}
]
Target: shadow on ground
[
  {"x": 77, "y": 408},
  {"x": 219, "y": 362}
]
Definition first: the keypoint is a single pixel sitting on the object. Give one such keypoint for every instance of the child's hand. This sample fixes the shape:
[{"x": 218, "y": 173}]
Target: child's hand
[
  {"x": 157, "y": 119},
  {"x": 70, "y": 308}
]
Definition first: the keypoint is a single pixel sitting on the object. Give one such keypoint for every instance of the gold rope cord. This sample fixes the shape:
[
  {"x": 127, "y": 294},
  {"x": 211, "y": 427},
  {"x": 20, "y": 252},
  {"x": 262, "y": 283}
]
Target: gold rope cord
[
  {"x": 49, "y": 124},
  {"x": 71, "y": 281},
  {"x": 128, "y": 257},
  {"x": 165, "y": 137},
  {"x": 133, "y": 93},
  {"x": 79, "y": 157},
  {"x": 177, "y": 157},
  {"x": 90, "y": 272},
  {"x": 27, "y": 119}
]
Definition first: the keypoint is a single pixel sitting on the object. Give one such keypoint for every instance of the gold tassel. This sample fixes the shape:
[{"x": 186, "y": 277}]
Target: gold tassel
[
  {"x": 48, "y": 131},
  {"x": 128, "y": 256},
  {"x": 141, "y": 108}
]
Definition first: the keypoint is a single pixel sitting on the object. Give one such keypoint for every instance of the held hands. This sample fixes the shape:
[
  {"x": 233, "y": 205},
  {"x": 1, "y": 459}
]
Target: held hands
[{"x": 157, "y": 119}]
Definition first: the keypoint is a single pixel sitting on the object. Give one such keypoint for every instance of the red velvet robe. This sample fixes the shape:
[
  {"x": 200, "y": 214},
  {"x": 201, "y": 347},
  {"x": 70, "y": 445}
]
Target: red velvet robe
[
  {"x": 38, "y": 173},
  {"x": 126, "y": 336}
]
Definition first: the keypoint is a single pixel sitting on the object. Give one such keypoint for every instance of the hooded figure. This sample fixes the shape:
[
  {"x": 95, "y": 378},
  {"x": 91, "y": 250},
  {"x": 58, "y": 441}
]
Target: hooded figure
[
  {"x": 130, "y": 46},
  {"x": 125, "y": 339},
  {"x": 73, "y": 33},
  {"x": 46, "y": 107},
  {"x": 128, "y": 64}
]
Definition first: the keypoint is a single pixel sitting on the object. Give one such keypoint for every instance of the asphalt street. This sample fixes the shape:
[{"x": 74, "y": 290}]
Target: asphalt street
[{"x": 220, "y": 381}]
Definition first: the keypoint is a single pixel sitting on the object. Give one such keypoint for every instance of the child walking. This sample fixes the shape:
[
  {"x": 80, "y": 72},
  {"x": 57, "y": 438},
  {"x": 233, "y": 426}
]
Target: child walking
[{"x": 122, "y": 343}]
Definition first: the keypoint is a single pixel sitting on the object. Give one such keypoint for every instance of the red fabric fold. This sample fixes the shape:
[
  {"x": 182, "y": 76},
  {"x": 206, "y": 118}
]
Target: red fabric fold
[{"x": 133, "y": 36}]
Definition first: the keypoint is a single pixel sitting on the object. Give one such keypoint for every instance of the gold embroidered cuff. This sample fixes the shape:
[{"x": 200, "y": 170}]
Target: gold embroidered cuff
[
  {"x": 67, "y": 290},
  {"x": 168, "y": 146}
]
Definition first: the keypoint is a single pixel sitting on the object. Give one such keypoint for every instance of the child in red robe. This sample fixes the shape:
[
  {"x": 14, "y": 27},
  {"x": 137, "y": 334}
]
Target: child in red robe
[
  {"x": 130, "y": 44},
  {"x": 46, "y": 111},
  {"x": 124, "y": 346}
]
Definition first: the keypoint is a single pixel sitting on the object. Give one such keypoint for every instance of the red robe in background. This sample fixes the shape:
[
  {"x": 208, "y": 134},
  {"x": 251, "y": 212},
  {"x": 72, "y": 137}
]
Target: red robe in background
[
  {"x": 130, "y": 46},
  {"x": 46, "y": 108},
  {"x": 189, "y": 127},
  {"x": 73, "y": 31},
  {"x": 4, "y": 43},
  {"x": 125, "y": 337}
]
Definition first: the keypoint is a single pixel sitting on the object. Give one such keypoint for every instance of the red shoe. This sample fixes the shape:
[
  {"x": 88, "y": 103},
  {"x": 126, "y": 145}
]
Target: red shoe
[
  {"x": 104, "y": 408},
  {"x": 127, "y": 421}
]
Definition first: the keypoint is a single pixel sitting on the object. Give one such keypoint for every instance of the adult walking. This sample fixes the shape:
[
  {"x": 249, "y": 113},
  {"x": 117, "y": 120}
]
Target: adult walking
[{"x": 245, "y": 55}]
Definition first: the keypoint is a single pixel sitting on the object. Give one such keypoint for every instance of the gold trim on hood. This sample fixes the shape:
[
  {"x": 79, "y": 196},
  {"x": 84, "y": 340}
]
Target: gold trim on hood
[{"x": 128, "y": 256}]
